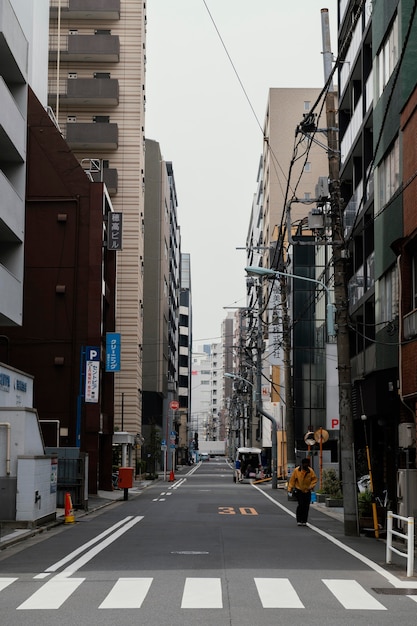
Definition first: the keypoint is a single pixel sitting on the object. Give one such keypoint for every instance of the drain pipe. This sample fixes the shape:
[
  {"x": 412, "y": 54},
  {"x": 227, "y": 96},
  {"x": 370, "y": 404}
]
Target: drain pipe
[{"x": 9, "y": 430}]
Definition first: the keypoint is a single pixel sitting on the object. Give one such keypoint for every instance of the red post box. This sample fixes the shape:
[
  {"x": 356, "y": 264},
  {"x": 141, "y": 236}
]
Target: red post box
[{"x": 125, "y": 480}]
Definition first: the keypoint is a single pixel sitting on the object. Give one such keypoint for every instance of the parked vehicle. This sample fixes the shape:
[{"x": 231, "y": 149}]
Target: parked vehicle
[{"x": 250, "y": 464}]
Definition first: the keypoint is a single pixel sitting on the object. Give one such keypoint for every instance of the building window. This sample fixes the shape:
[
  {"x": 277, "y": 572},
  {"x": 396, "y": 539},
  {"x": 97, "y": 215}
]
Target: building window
[
  {"x": 388, "y": 176},
  {"x": 307, "y": 167},
  {"x": 307, "y": 105},
  {"x": 388, "y": 296},
  {"x": 387, "y": 57}
]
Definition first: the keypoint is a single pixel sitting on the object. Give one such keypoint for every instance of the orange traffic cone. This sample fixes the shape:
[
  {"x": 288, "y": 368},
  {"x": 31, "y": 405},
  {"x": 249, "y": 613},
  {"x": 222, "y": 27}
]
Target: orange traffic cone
[
  {"x": 171, "y": 476},
  {"x": 69, "y": 512}
]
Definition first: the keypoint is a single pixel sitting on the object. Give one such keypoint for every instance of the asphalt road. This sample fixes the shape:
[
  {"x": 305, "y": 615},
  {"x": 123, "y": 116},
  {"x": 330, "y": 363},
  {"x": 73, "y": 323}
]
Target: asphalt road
[{"x": 202, "y": 551}]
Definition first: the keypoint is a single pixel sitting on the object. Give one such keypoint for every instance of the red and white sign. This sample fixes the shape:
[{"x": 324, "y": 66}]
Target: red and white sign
[{"x": 174, "y": 405}]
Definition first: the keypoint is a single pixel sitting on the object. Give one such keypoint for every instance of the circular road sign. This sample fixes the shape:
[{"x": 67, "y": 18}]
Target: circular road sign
[
  {"x": 309, "y": 438},
  {"x": 322, "y": 434},
  {"x": 174, "y": 405}
]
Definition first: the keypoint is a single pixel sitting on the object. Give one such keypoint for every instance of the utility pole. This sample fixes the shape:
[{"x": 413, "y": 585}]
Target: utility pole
[
  {"x": 258, "y": 390},
  {"x": 347, "y": 456},
  {"x": 289, "y": 409}
]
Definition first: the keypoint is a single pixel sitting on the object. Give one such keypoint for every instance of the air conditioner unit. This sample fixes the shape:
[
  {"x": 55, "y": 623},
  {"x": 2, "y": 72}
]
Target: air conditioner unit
[{"x": 406, "y": 435}]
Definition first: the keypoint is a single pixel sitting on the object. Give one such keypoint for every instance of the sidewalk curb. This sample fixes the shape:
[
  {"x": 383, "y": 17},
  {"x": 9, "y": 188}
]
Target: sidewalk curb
[{"x": 18, "y": 535}]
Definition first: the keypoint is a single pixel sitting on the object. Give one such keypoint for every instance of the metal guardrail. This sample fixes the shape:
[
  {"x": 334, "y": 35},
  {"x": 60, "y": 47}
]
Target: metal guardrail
[{"x": 408, "y": 537}]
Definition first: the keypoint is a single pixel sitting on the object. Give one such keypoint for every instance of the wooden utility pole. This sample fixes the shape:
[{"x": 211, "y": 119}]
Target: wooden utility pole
[{"x": 347, "y": 456}]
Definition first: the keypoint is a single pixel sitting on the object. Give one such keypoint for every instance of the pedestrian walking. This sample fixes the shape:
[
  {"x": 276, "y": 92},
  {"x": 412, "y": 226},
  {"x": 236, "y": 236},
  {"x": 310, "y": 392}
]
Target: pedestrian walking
[
  {"x": 302, "y": 482},
  {"x": 238, "y": 470}
]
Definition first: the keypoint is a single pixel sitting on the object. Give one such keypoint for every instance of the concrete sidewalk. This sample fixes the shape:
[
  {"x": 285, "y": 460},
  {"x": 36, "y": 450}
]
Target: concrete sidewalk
[{"x": 10, "y": 535}]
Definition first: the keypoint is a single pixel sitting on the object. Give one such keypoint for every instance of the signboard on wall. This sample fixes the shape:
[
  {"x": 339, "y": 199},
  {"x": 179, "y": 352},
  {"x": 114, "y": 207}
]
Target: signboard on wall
[
  {"x": 92, "y": 373},
  {"x": 112, "y": 352},
  {"x": 114, "y": 231}
]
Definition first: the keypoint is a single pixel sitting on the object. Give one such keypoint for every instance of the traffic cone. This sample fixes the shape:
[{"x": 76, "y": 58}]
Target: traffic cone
[
  {"x": 69, "y": 512},
  {"x": 171, "y": 476}
]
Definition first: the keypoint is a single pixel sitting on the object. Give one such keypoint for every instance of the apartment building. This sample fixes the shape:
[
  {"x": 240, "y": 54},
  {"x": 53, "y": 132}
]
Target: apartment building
[
  {"x": 377, "y": 80},
  {"x": 13, "y": 121},
  {"x": 97, "y": 93}
]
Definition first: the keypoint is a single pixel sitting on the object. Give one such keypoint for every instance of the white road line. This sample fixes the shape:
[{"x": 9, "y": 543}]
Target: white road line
[
  {"x": 5, "y": 582},
  {"x": 277, "y": 593},
  {"x": 352, "y": 596},
  {"x": 127, "y": 593},
  {"x": 85, "y": 546},
  {"x": 202, "y": 593},
  {"x": 393, "y": 580},
  {"x": 71, "y": 569},
  {"x": 52, "y": 594},
  {"x": 179, "y": 483}
]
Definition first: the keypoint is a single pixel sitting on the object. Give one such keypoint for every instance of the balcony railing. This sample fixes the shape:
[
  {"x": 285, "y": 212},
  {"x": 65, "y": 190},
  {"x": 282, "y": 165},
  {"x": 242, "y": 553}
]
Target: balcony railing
[
  {"x": 86, "y": 91},
  {"x": 351, "y": 131},
  {"x": 350, "y": 56},
  {"x": 85, "y": 48},
  {"x": 352, "y": 208},
  {"x": 92, "y": 136},
  {"x": 86, "y": 9}
]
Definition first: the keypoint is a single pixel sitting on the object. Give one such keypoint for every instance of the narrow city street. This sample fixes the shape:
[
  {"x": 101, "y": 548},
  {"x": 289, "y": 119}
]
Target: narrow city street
[{"x": 203, "y": 550}]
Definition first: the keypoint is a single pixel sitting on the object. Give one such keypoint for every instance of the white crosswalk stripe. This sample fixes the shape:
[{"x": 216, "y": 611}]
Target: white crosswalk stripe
[
  {"x": 52, "y": 594},
  {"x": 277, "y": 593},
  {"x": 127, "y": 593},
  {"x": 198, "y": 593},
  {"x": 352, "y": 596},
  {"x": 202, "y": 593},
  {"x": 5, "y": 582}
]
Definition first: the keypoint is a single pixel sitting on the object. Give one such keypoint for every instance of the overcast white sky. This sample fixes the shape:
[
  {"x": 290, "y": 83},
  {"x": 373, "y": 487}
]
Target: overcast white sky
[{"x": 198, "y": 112}]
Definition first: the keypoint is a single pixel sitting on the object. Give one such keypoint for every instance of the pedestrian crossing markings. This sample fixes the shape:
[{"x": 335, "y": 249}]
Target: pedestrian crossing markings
[{"x": 198, "y": 593}]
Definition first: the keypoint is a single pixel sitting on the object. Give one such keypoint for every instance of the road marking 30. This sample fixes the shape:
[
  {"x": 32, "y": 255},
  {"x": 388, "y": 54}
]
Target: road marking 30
[{"x": 243, "y": 510}]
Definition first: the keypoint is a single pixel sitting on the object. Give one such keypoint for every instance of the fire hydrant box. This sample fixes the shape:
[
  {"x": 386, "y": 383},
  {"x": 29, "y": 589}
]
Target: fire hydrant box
[{"x": 125, "y": 480}]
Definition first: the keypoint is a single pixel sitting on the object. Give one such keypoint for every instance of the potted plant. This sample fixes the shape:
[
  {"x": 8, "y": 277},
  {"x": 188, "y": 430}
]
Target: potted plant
[
  {"x": 321, "y": 496},
  {"x": 332, "y": 487}
]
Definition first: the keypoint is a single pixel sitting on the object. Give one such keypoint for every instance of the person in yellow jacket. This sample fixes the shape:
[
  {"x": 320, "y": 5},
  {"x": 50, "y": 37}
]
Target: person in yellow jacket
[{"x": 303, "y": 480}]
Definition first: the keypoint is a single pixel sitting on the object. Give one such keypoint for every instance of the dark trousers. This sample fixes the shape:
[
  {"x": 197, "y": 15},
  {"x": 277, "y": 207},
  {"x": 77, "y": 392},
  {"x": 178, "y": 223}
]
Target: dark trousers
[{"x": 304, "y": 500}]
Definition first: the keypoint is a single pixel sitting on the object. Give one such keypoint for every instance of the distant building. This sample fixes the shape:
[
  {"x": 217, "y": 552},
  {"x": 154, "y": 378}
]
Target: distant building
[
  {"x": 184, "y": 358},
  {"x": 161, "y": 295}
]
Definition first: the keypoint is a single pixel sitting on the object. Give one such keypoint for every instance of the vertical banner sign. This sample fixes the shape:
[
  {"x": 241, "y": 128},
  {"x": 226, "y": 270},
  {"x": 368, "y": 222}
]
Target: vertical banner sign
[
  {"x": 92, "y": 373},
  {"x": 112, "y": 352},
  {"x": 114, "y": 231}
]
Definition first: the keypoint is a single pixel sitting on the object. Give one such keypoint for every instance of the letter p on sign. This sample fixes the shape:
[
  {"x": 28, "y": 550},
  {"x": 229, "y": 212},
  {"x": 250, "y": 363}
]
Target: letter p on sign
[{"x": 335, "y": 423}]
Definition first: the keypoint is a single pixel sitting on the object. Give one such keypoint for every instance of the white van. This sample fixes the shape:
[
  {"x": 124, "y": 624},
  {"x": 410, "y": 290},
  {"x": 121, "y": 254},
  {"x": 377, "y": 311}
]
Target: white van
[{"x": 250, "y": 464}]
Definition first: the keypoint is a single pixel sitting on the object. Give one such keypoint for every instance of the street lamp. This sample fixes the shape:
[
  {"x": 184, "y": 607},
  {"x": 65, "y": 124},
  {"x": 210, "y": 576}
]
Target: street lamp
[{"x": 263, "y": 271}]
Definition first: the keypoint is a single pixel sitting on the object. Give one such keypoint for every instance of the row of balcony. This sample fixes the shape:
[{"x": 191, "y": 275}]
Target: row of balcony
[
  {"x": 362, "y": 281},
  {"x": 85, "y": 92},
  {"x": 362, "y": 107},
  {"x": 77, "y": 48},
  {"x": 355, "y": 42},
  {"x": 86, "y": 9}
]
